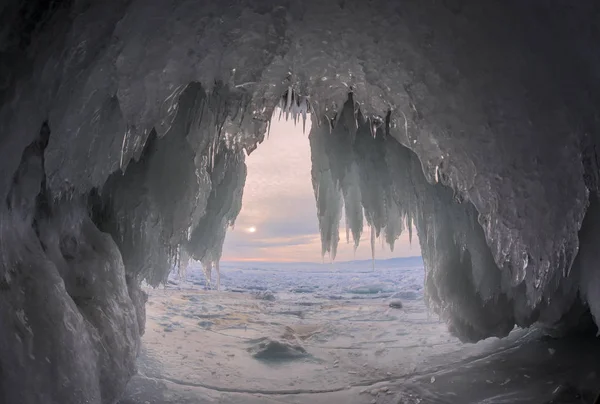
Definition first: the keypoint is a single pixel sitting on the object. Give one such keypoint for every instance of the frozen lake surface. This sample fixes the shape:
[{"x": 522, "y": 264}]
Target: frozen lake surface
[
  {"x": 310, "y": 333},
  {"x": 348, "y": 279}
]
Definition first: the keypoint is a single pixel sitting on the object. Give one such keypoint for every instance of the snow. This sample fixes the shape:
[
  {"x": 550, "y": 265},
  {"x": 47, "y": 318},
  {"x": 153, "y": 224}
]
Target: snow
[{"x": 318, "y": 341}]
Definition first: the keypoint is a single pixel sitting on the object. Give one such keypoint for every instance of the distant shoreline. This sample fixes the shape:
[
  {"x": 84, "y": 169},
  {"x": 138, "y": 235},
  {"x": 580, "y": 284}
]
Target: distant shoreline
[{"x": 417, "y": 259}]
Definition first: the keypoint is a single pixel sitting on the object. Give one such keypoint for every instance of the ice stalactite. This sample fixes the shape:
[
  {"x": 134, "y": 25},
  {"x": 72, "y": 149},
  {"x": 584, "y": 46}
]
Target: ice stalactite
[
  {"x": 183, "y": 192},
  {"x": 460, "y": 286},
  {"x": 295, "y": 105},
  {"x": 464, "y": 284},
  {"x": 349, "y": 163},
  {"x": 327, "y": 194},
  {"x": 224, "y": 203},
  {"x": 183, "y": 262}
]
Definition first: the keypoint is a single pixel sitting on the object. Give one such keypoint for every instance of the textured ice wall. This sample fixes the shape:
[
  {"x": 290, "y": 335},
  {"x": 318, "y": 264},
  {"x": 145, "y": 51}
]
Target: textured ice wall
[
  {"x": 363, "y": 166},
  {"x": 152, "y": 103},
  {"x": 70, "y": 299},
  {"x": 71, "y": 322},
  {"x": 498, "y": 97}
]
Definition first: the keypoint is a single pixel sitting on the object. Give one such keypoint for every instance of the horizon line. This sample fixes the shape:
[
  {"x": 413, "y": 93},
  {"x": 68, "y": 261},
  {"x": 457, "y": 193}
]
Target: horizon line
[{"x": 263, "y": 261}]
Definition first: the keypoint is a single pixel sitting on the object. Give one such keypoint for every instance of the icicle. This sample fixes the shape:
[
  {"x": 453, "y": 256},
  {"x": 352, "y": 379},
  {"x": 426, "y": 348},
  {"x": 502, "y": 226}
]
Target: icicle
[
  {"x": 312, "y": 112},
  {"x": 303, "y": 111},
  {"x": 373, "y": 246},
  {"x": 288, "y": 103},
  {"x": 295, "y": 111},
  {"x": 330, "y": 124},
  {"x": 269, "y": 127},
  {"x": 207, "y": 269},
  {"x": 372, "y": 127},
  {"x": 218, "y": 269},
  {"x": 409, "y": 225}
]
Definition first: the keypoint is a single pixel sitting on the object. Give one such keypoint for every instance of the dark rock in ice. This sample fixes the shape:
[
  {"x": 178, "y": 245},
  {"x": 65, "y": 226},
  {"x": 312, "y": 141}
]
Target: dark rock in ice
[
  {"x": 256, "y": 287},
  {"x": 370, "y": 296},
  {"x": 207, "y": 316},
  {"x": 302, "y": 290},
  {"x": 268, "y": 349},
  {"x": 396, "y": 304},
  {"x": 192, "y": 298},
  {"x": 298, "y": 313},
  {"x": 265, "y": 295}
]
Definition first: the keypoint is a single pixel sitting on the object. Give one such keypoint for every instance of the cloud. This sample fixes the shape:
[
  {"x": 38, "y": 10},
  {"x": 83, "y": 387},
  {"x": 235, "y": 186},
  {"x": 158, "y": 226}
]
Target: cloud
[{"x": 277, "y": 241}]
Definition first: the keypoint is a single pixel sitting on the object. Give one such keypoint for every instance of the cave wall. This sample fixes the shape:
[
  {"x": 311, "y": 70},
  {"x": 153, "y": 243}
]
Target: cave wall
[
  {"x": 357, "y": 164},
  {"x": 472, "y": 87},
  {"x": 71, "y": 302},
  {"x": 71, "y": 323},
  {"x": 476, "y": 121}
]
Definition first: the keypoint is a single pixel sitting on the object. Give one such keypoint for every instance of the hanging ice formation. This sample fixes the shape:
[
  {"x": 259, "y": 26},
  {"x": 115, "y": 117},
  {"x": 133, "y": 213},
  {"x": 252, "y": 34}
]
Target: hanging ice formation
[
  {"x": 296, "y": 105},
  {"x": 359, "y": 165},
  {"x": 349, "y": 169},
  {"x": 173, "y": 189}
]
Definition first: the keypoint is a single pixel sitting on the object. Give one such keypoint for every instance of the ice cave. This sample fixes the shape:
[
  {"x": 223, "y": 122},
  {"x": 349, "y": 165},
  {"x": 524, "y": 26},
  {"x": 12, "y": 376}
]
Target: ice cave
[{"x": 124, "y": 127}]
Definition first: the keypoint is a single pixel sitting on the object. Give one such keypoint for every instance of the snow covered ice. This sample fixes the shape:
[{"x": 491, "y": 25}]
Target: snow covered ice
[{"x": 328, "y": 335}]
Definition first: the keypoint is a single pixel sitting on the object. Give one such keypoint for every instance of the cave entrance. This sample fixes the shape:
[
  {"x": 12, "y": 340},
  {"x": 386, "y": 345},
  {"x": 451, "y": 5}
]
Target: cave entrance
[
  {"x": 278, "y": 221},
  {"x": 285, "y": 319}
]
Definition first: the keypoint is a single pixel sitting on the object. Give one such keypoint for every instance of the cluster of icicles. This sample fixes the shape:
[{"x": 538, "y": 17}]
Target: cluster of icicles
[
  {"x": 345, "y": 187},
  {"x": 298, "y": 106}
]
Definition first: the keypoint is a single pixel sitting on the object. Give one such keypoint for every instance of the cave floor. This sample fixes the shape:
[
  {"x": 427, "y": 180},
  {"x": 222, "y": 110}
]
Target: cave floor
[{"x": 199, "y": 347}]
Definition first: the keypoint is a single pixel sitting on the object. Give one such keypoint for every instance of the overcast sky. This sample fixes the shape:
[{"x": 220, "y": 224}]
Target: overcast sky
[{"x": 278, "y": 221}]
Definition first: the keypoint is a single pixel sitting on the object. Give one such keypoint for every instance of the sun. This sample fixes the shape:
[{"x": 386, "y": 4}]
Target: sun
[{"x": 251, "y": 229}]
